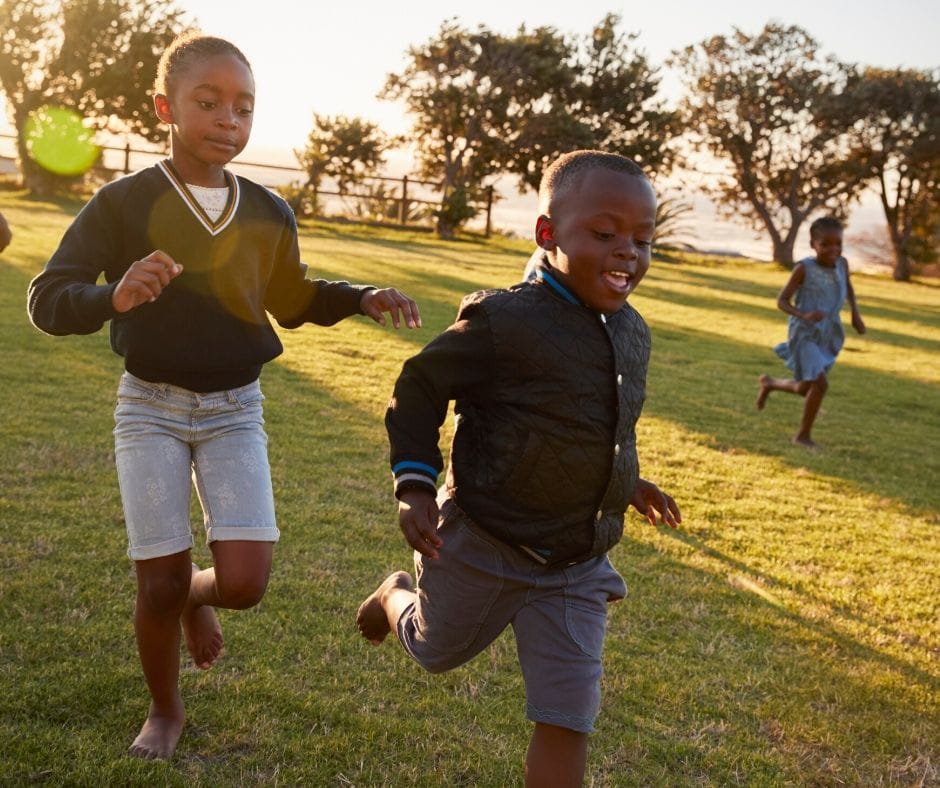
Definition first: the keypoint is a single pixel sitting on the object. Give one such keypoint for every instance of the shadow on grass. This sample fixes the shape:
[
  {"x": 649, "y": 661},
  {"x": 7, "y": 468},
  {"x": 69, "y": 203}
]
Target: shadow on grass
[
  {"x": 708, "y": 384},
  {"x": 735, "y": 656},
  {"x": 749, "y": 687}
]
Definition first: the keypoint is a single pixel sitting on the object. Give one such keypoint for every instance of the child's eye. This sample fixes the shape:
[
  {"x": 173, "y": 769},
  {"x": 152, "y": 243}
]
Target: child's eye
[
  {"x": 644, "y": 244},
  {"x": 207, "y": 104},
  {"x": 244, "y": 111},
  {"x": 602, "y": 236}
]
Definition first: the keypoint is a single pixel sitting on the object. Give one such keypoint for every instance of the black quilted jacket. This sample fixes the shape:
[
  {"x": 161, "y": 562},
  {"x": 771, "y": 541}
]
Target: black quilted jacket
[{"x": 547, "y": 393}]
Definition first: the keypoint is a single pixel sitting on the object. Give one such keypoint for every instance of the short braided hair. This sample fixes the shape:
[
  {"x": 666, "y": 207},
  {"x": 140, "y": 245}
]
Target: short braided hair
[{"x": 190, "y": 48}]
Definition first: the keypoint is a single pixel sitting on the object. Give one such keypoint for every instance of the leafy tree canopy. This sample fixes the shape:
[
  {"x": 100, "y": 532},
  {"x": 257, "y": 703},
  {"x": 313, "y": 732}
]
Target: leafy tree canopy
[
  {"x": 900, "y": 137},
  {"x": 484, "y": 104},
  {"x": 344, "y": 149},
  {"x": 98, "y": 57},
  {"x": 782, "y": 119}
]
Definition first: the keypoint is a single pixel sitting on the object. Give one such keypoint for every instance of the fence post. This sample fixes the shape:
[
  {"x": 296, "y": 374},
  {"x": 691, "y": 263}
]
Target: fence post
[
  {"x": 489, "y": 210},
  {"x": 403, "y": 205},
  {"x": 127, "y": 157}
]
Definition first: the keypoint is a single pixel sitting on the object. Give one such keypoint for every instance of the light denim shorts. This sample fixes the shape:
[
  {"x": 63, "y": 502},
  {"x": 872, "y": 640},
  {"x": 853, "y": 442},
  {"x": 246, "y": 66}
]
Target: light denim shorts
[
  {"x": 479, "y": 585},
  {"x": 165, "y": 439}
]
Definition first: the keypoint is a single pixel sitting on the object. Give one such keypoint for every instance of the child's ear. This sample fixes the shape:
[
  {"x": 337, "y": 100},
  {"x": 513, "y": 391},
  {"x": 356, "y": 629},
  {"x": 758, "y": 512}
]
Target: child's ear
[
  {"x": 545, "y": 233},
  {"x": 161, "y": 105}
]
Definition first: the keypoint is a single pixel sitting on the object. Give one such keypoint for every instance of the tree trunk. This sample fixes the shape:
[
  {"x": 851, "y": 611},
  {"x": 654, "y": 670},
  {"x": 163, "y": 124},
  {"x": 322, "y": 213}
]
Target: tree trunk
[
  {"x": 783, "y": 250},
  {"x": 36, "y": 179},
  {"x": 902, "y": 263}
]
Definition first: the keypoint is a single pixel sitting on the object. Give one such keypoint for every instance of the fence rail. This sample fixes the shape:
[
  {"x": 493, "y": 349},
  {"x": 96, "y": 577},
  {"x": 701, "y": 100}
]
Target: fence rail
[{"x": 403, "y": 199}]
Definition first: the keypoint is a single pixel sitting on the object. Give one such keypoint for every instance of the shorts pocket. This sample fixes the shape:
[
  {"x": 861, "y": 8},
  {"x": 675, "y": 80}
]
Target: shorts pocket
[{"x": 586, "y": 621}]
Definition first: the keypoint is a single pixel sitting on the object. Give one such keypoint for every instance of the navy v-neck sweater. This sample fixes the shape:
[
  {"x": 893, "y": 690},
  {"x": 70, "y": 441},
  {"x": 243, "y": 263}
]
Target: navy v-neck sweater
[{"x": 209, "y": 328}]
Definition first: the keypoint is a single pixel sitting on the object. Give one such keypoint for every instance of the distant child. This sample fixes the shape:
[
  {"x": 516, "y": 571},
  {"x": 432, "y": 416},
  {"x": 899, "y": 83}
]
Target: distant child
[
  {"x": 548, "y": 379},
  {"x": 193, "y": 258},
  {"x": 821, "y": 285}
]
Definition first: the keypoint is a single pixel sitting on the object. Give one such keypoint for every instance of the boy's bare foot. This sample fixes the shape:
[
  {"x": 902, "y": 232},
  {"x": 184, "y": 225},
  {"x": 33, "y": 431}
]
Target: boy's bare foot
[
  {"x": 802, "y": 440},
  {"x": 764, "y": 392},
  {"x": 371, "y": 617},
  {"x": 158, "y": 737},
  {"x": 203, "y": 633}
]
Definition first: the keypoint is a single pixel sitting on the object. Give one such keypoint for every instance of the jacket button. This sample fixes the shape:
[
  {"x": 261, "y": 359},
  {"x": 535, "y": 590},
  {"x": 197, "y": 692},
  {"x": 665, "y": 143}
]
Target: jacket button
[
  {"x": 617, "y": 449},
  {"x": 619, "y": 380},
  {"x": 600, "y": 514}
]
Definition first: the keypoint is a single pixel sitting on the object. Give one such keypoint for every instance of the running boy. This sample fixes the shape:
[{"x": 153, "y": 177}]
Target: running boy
[
  {"x": 193, "y": 258},
  {"x": 549, "y": 378},
  {"x": 821, "y": 285}
]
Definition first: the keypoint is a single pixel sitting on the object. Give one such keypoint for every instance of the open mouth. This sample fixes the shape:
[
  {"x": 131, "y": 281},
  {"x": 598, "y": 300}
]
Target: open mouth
[{"x": 621, "y": 281}]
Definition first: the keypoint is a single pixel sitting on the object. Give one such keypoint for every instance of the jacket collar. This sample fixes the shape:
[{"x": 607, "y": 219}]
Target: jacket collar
[{"x": 544, "y": 272}]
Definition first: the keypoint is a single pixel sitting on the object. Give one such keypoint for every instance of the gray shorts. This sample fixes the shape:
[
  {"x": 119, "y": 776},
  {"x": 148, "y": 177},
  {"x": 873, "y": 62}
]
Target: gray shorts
[
  {"x": 479, "y": 585},
  {"x": 166, "y": 439}
]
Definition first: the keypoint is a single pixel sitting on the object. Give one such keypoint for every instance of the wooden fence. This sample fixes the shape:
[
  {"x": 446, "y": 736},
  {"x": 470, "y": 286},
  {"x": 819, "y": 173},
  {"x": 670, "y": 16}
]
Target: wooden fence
[{"x": 405, "y": 196}]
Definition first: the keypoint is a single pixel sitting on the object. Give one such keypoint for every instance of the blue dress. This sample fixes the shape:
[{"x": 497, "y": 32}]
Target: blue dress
[{"x": 811, "y": 348}]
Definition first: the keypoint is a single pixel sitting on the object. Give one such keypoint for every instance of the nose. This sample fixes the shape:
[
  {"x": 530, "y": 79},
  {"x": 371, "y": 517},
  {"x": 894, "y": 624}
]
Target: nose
[
  {"x": 227, "y": 117},
  {"x": 627, "y": 250}
]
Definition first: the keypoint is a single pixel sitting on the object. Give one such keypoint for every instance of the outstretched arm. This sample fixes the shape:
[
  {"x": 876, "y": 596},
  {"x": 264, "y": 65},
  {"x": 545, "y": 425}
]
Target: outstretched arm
[
  {"x": 648, "y": 499},
  {"x": 401, "y": 308}
]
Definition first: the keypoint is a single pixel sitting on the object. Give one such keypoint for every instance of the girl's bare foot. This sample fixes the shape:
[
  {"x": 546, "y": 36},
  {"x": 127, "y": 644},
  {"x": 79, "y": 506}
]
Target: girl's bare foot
[
  {"x": 804, "y": 440},
  {"x": 159, "y": 735},
  {"x": 764, "y": 392},
  {"x": 203, "y": 633},
  {"x": 371, "y": 618}
]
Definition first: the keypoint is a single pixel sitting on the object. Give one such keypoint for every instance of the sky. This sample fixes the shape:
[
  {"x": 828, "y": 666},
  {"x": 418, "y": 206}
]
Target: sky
[{"x": 332, "y": 58}]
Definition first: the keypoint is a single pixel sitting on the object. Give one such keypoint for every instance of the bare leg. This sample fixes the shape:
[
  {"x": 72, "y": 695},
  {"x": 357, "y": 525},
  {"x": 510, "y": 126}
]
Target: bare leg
[
  {"x": 556, "y": 757},
  {"x": 162, "y": 588},
  {"x": 768, "y": 384},
  {"x": 380, "y": 611},
  {"x": 814, "y": 397},
  {"x": 237, "y": 581}
]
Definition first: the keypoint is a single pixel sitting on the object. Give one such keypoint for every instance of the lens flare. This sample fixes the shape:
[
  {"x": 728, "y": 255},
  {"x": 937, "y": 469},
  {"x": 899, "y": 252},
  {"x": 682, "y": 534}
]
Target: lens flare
[{"x": 58, "y": 141}]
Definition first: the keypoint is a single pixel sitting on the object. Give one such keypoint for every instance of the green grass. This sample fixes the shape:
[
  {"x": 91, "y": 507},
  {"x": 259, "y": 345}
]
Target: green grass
[{"x": 786, "y": 635}]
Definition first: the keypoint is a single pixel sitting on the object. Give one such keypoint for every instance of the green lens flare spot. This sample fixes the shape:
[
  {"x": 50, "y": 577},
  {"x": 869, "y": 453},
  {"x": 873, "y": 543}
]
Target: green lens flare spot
[{"x": 58, "y": 141}]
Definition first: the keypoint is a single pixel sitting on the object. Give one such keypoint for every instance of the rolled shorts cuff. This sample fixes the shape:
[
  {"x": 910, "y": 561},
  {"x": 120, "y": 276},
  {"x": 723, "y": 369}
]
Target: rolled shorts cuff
[
  {"x": 572, "y": 722},
  {"x": 160, "y": 549},
  {"x": 229, "y": 533}
]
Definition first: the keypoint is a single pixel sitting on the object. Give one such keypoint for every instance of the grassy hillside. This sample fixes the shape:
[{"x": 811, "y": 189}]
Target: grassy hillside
[{"x": 788, "y": 634}]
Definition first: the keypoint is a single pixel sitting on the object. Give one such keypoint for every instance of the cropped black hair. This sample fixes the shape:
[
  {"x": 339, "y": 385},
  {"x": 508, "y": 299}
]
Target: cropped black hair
[
  {"x": 568, "y": 168},
  {"x": 822, "y": 224},
  {"x": 190, "y": 48}
]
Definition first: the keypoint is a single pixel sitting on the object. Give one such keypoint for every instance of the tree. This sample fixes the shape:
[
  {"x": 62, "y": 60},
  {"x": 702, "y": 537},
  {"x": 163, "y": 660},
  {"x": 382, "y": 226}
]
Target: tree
[
  {"x": 98, "y": 57},
  {"x": 782, "y": 119},
  {"x": 901, "y": 138},
  {"x": 344, "y": 149},
  {"x": 466, "y": 92},
  {"x": 608, "y": 103},
  {"x": 485, "y": 104}
]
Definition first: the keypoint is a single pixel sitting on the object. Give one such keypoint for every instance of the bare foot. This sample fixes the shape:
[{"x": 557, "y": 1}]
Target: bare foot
[
  {"x": 203, "y": 633},
  {"x": 158, "y": 736},
  {"x": 371, "y": 617},
  {"x": 805, "y": 441},
  {"x": 764, "y": 392}
]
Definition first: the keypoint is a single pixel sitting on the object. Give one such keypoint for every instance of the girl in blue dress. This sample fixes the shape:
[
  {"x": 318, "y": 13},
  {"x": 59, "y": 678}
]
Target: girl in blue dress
[{"x": 821, "y": 285}]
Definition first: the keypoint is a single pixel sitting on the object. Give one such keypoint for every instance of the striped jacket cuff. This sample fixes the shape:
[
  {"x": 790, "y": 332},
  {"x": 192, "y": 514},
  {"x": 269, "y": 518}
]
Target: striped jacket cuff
[{"x": 409, "y": 474}]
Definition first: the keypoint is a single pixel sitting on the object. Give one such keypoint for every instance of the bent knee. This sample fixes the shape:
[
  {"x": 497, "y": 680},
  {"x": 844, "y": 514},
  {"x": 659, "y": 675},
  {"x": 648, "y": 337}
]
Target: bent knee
[{"x": 242, "y": 592}]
